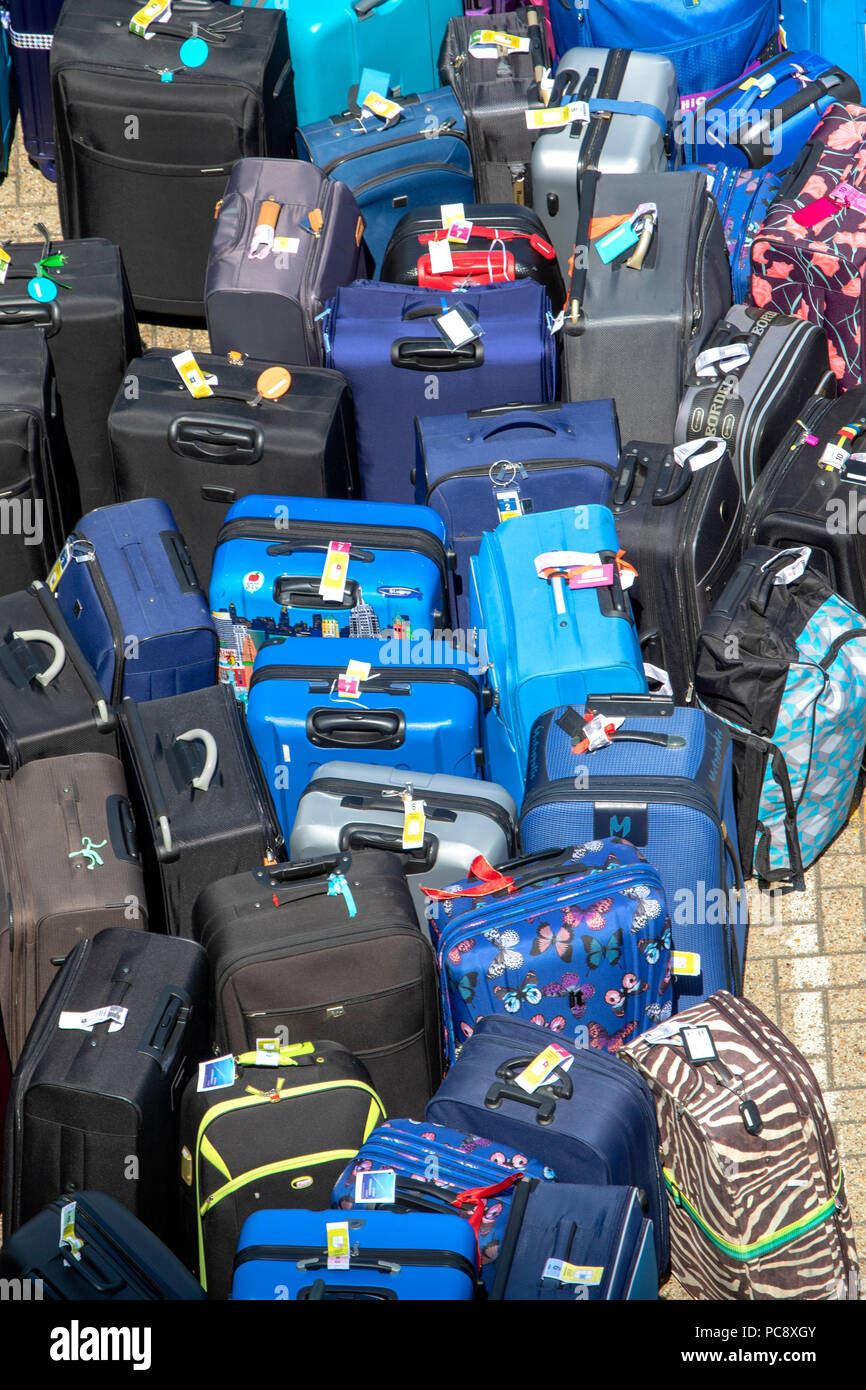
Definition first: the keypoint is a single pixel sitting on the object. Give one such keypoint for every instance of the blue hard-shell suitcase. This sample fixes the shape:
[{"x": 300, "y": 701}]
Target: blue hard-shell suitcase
[
  {"x": 600, "y": 1234},
  {"x": 476, "y": 468},
  {"x": 392, "y": 168},
  {"x": 437, "y": 1169},
  {"x": 269, "y": 562},
  {"x": 384, "y": 340},
  {"x": 547, "y": 643},
  {"x": 590, "y": 1122},
  {"x": 392, "y": 1255},
  {"x": 418, "y": 709},
  {"x": 127, "y": 588},
  {"x": 664, "y": 782}
]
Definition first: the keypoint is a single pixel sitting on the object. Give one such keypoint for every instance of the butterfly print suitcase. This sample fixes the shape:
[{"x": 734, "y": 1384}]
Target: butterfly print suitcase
[
  {"x": 437, "y": 1169},
  {"x": 581, "y": 937},
  {"x": 588, "y": 1119},
  {"x": 756, "y": 1192}
]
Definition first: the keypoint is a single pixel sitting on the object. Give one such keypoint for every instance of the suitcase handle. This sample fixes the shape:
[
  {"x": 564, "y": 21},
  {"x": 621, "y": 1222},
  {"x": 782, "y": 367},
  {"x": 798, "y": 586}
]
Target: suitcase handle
[
  {"x": 320, "y": 1290},
  {"x": 172, "y": 1011},
  {"x": 181, "y": 562},
  {"x": 205, "y": 777},
  {"x": 210, "y": 438},
  {"x": 379, "y": 1266},
  {"x": 515, "y": 422},
  {"x": 26, "y": 310},
  {"x": 677, "y": 488},
  {"x": 165, "y": 851},
  {"x": 428, "y": 355},
  {"x": 543, "y": 1101},
  {"x": 363, "y": 8},
  {"x": 366, "y": 557},
  {"x": 99, "y": 1280},
  {"x": 334, "y": 728},
  {"x": 356, "y": 835},
  {"x": 303, "y": 868},
  {"x": 121, "y": 828},
  {"x": 105, "y": 718},
  {"x": 301, "y": 591},
  {"x": 760, "y": 599},
  {"x": 35, "y": 634}
]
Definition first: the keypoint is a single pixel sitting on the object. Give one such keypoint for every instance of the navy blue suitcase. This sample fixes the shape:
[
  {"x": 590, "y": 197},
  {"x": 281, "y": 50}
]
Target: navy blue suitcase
[
  {"x": 600, "y": 1234},
  {"x": 384, "y": 340},
  {"x": 392, "y": 1255},
  {"x": 31, "y": 30},
  {"x": 476, "y": 468},
  {"x": 664, "y": 783},
  {"x": 419, "y": 710},
  {"x": 128, "y": 591},
  {"x": 269, "y": 561},
  {"x": 391, "y": 169},
  {"x": 590, "y": 1122}
]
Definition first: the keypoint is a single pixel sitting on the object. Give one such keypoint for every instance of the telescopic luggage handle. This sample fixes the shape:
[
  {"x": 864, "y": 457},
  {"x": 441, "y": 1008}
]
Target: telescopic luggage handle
[
  {"x": 209, "y": 438},
  {"x": 23, "y": 309},
  {"x": 542, "y": 1100},
  {"x": 334, "y": 728},
  {"x": 358, "y": 835}
]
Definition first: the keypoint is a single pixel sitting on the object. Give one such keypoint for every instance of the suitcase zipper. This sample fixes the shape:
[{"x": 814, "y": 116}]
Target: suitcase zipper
[
  {"x": 391, "y": 1259},
  {"x": 314, "y": 260},
  {"x": 398, "y": 675},
  {"x": 697, "y": 278},
  {"x": 340, "y": 786},
  {"x": 444, "y": 129},
  {"x": 274, "y": 839},
  {"x": 531, "y": 466},
  {"x": 401, "y": 173},
  {"x": 787, "y": 453}
]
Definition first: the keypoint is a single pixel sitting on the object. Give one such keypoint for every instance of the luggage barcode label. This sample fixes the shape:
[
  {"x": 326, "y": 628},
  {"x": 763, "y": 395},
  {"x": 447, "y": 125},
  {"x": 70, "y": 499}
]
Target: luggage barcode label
[
  {"x": 332, "y": 585},
  {"x": 539, "y": 118},
  {"x": 191, "y": 375},
  {"x": 565, "y": 1273},
  {"x": 267, "y": 1052},
  {"x": 154, "y": 10},
  {"x": 728, "y": 358},
  {"x": 68, "y": 1237},
  {"x": 486, "y": 43},
  {"x": 833, "y": 457},
  {"x": 112, "y": 1014},
  {"x": 699, "y": 453},
  {"x": 5, "y": 262},
  {"x": 337, "y": 1233},
  {"x": 541, "y": 1066},
  {"x": 686, "y": 963},
  {"x": 796, "y": 569}
]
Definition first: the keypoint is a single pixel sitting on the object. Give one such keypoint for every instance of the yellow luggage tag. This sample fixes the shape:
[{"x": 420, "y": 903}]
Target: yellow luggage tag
[
  {"x": 451, "y": 212},
  {"x": 389, "y": 111},
  {"x": 545, "y": 117},
  {"x": 349, "y": 683},
  {"x": 153, "y": 12},
  {"x": 490, "y": 43},
  {"x": 565, "y": 1273},
  {"x": 414, "y": 820},
  {"x": 332, "y": 585},
  {"x": 339, "y": 1249},
  {"x": 686, "y": 963},
  {"x": 68, "y": 1238},
  {"x": 541, "y": 1066},
  {"x": 192, "y": 375},
  {"x": 5, "y": 262}
]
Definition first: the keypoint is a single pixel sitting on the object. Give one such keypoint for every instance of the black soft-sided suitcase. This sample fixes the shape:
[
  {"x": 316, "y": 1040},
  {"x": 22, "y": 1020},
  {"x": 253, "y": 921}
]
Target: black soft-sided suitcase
[
  {"x": 97, "y": 336},
  {"x": 36, "y": 490},
  {"x": 201, "y": 801},
  {"x": 203, "y": 454},
  {"x": 142, "y": 157},
  {"x": 333, "y": 947},
  {"x": 99, "y": 1109},
  {"x": 679, "y": 524},
  {"x": 119, "y": 1258},
  {"x": 51, "y": 703},
  {"x": 494, "y": 94}
]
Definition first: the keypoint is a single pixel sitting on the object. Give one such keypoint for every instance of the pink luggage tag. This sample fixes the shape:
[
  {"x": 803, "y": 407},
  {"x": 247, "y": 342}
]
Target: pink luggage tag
[
  {"x": 849, "y": 197},
  {"x": 819, "y": 211}
]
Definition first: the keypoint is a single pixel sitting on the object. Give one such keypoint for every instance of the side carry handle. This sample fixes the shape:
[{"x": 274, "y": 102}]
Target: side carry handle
[
  {"x": 209, "y": 438},
  {"x": 205, "y": 777},
  {"x": 172, "y": 1011},
  {"x": 105, "y": 718}
]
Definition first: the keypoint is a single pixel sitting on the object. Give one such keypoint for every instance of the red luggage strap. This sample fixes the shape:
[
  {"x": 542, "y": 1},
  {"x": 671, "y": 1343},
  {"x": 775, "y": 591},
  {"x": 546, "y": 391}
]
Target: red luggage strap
[
  {"x": 490, "y": 881},
  {"x": 478, "y": 1195},
  {"x": 537, "y": 243}
]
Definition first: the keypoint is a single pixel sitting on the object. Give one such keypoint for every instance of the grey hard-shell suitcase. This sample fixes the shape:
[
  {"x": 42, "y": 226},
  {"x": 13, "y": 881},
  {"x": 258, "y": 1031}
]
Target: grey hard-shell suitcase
[
  {"x": 349, "y": 806},
  {"x": 634, "y": 333},
  {"x": 286, "y": 236},
  {"x": 634, "y": 141}
]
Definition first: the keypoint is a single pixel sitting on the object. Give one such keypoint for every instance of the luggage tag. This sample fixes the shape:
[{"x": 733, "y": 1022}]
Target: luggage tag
[
  {"x": 848, "y": 196},
  {"x": 388, "y": 111},
  {"x": 699, "y": 1045},
  {"x": 818, "y": 211},
  {"x": 598, "y": 730},
  {"x": 699, "y": 453},
  {"x": 373, "y": 80},
  {"x": 617, "y": 242},
  {"x": 313, "y": 222},
  {"x": 457, "y": 326},
  {"x": 339, "y": 888},
  {"x": 565, "y": 1273},
  {"x": 59, "y": 566},
  {"x": 332, "y": 585},
  {"x": 68, "y": 1239},
  {"x": 687, "y": 963},
  {"x": 541, "y": 1066},
  {"x": 458, "y": 230},
  {"x": 349, "y": 683},
  {"x": 414, "y": 821},
  {"x": 265, "y": 228},
  {"x": 271, "y": 384},
  {"x": 192, "y": 375},
  {"x": 659, "y": 678},
  {"x": 338, "y": 1247},
  {"x": 194, "y": 51},
  {"x": 713, "y": 362},
  {"x": 376, "y": 1185},
  {"x": 267, "y": 1052},
  {"x": 5, "y": 262},
  {"x": 451, "y": 212},
  {"x": 504, "y": 475},
  {"x": 216, "y": 1073},
  {"x": 112, "y": 1014},
  {"x": 796, "y": 569},
  {"x": 441, "y": 261},
  {"x": 156, "y": 11},
  {"x": 546, "y": 117},
  {"x": 492, "y": 43}
]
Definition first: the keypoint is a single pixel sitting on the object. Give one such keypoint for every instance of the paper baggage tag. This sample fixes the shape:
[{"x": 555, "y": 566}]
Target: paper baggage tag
[
  {"x": 699, "y": 1045},
  {"x": 796, "y": 569},
  {"x": 597, "y": 732},
  {"x": 508, "y": 503},
  {"x": 5, "y": 262},
  {"x": 565, "y": 1273},
  {"x": 216, "y": 1073},
  {"x": 833, "y": 458},
  {"x": 414, "y": 821},
  {"x": 68, "y": 1238},
  {"x": 686, "y": 963},
  {"x": 725, "y": 359},
  {"x": 457, "y": 326},
  {"x": 389, "y": 111},
  {"x": 699, "y": 453},
  {"x": 339, "y": 1249},
  {"x": 459, "y": 230},
  {"x": 59, "y": 566},
  {"x": 441, "y": 261},
  {"x": 541, "y": 1066},
  {"x": 543, "y": 117},
  {"x": 156, "y": 10},
  {"x": 349, "y": 683},
  {"x": 615, "y": 243},
  {"x": 191, "y": 375},
  {"x": 267, "y": 1052},
  {"x": 848, "y": 196},
  {"x": 488, "y": 43},
  {"x": 656, "y": 676},
  {"x": 375, "y": 1185},
  {"x": 332, "y": 584},
  {"x": 286, "y": 245},
  {"x": 765, "y": 82},
  {"x": 451, "y": 212},
  {"x": 112, "y": 1014}
]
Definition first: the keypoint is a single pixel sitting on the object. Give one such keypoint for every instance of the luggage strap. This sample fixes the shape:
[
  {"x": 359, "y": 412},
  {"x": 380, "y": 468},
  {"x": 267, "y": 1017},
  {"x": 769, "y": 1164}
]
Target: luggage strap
[
  {"x": 490, "y": 880},
  {"x": 629, "y": 108},
  {"x": 766, "y": 1244},
  {"x": 477, "y": 1196},
  {"x": 537, "y": 242}
]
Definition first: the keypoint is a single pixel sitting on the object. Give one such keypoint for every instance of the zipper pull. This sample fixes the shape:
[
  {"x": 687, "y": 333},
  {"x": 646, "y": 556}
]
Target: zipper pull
[
  {"x": 518, "y": 183},
  {"x": 314, "y": 222}
]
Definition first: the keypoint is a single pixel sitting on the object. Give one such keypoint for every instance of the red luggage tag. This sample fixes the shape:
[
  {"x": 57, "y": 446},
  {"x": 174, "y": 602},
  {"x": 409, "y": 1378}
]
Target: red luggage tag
[{"x": 819, "y": 211}]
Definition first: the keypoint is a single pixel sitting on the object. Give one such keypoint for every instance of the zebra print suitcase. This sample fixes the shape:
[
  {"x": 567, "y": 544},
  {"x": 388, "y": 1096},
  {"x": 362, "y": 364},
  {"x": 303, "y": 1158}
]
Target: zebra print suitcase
[{"x": 756, "y": 1192}]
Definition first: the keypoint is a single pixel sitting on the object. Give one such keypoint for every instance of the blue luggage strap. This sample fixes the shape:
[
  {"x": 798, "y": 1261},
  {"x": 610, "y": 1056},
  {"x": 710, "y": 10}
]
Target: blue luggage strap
[{"x": 630, "y": 108}]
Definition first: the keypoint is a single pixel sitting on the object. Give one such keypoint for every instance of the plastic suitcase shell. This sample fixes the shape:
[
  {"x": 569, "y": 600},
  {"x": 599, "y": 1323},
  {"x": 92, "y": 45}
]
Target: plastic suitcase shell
[
  {"x": 538, "y": 657},
  {"x": 670, "y": 792},
  {"x": 835, "y": 27},
  {"x": 598, "y": 1127},
  {"x": 31, "y": 30},
  {"x": 550, "y": 454},
  {"x": 347, "y": 805},
  {"x": 423, "y": 1257},
  {"x": 333, "y": 43},
  {"x": 266, "y": 306},
  {"x": 635, "y": 142},
  {"x": 269, "y": 560},
  {"x": 125, "y": 584},
  {"x": 120, "y": 1260},
  {"x": 410, "y": 716},
  {"x": 393, "y": 169},
  {"x": 383, "y": 339},
  {"x": 602, "y": 1230}
]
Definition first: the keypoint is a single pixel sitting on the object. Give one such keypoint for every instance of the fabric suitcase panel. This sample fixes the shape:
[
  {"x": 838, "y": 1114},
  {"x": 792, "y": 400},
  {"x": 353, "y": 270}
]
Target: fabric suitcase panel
[
  {"x": 743, "y": 197},
  {"x": 31, "y": 28}
]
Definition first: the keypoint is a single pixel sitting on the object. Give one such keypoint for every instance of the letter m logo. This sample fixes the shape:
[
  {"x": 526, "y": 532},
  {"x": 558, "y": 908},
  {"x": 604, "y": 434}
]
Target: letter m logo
[{"x": 619, "y": 827}]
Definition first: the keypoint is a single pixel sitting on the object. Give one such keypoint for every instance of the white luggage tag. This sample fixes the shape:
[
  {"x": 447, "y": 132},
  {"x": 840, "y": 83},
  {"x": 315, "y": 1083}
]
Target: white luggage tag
[
  {"x": 265, "y": 229},
  {"x": 349, "y": 683},
  {"x": 538, "y": 1070},
  {"x": 699, "y": 453},
  {"x": 492, "y": 43},
  {"x": 376, "y": 1185},
  {"x": 801, "y": 555},
  {"x": 112, "y": 1014},
  {"x": 714, "y": 362},
  {"x": 216, "y": 1073},
  {"x": 451, "y": 212},
  {"x": 457, "y": 326},
  {"x": 441, "y": 261}
]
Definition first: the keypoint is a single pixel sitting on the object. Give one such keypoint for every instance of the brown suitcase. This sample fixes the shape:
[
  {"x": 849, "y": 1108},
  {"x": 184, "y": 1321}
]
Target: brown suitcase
[{"x": 69, "y": 866}]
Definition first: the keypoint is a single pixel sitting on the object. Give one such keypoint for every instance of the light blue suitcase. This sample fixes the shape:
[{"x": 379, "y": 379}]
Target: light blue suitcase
[
  {"x": 545, "y": 643},
  {"x": 333, "y": 41},
  {"x": 834, "y": 28}
]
